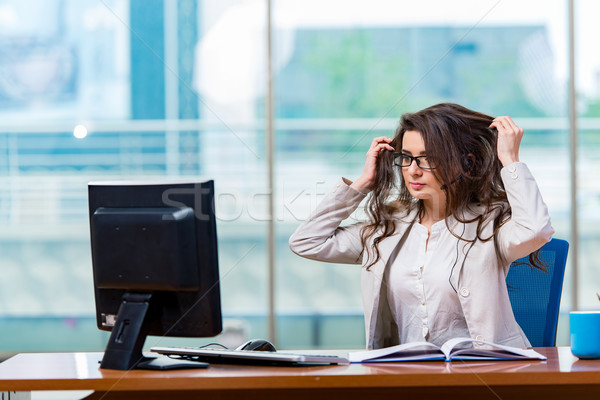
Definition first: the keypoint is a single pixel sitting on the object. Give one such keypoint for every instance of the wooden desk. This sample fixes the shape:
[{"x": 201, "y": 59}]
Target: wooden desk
[{"x": 561, "y": 376}]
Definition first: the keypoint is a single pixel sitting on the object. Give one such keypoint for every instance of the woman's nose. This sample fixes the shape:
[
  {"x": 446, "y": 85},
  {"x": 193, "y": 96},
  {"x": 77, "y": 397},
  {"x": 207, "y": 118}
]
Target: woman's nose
[{"x": 414, "y": 169}]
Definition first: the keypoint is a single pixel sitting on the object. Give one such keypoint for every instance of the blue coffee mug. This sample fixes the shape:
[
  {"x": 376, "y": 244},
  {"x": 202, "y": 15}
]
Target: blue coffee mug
[{"x": 585, "y": 334}]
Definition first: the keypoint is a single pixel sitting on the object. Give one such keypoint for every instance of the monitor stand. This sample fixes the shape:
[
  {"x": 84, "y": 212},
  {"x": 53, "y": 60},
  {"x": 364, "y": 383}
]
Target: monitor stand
[{"x": 124, "y": 348}]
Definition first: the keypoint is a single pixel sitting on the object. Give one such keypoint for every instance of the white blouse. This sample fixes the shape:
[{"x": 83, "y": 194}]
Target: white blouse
[
  {"x": 423, "y": 303},
  {"x": 419, "y": 274}
]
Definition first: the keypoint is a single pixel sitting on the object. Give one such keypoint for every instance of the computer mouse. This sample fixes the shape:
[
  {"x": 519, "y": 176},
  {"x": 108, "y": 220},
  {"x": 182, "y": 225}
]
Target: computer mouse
[{"x": 257, "y": 345}]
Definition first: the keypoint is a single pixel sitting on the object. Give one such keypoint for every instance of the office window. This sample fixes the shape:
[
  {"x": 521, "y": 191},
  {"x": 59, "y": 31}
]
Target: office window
[
  {"x": 140, "y": 89},
  {"x": 154, "y": 89},
  {"x": 344, "y": 74},
  {"x": 588, "y": 161},
  {"x": 62, "y": 64}
]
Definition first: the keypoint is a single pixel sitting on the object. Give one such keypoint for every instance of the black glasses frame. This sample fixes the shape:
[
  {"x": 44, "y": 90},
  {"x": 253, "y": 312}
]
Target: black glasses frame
[{"x": 398, "y": 157}]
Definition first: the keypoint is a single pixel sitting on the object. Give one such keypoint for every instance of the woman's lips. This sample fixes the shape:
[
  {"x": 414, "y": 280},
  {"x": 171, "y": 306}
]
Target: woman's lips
[{"x": 416, "y": 185}]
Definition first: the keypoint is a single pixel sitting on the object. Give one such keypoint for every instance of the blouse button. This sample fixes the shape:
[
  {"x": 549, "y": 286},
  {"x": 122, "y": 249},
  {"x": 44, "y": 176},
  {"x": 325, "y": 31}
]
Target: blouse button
[
  {"x": 514, "y": 175},
  {"x": 464, "y": 292},
  {"x": 512, "y": 168}
]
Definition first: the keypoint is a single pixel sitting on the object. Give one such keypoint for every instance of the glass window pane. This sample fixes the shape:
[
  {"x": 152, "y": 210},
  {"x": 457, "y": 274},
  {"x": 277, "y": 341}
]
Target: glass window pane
[
  {"x": 346, "y": 71},
  {"x": 160, "y": 93},
  {"x": 177, "y": 90},
  {"x": 588, "y": 161}
]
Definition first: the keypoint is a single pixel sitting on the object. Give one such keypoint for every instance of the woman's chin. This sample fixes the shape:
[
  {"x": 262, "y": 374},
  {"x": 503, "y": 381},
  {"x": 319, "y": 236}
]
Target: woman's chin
[{"x": 419, "y": 194}]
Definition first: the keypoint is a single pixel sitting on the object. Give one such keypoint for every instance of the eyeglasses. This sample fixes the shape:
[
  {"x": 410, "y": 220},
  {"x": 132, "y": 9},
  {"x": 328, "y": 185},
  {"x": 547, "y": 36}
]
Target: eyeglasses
[{"x": 404, "y": 160}]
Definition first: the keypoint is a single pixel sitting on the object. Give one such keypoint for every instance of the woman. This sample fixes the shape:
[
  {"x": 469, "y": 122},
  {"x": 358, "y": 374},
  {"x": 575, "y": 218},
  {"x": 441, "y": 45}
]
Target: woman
[{"x": 450, "y": 207}]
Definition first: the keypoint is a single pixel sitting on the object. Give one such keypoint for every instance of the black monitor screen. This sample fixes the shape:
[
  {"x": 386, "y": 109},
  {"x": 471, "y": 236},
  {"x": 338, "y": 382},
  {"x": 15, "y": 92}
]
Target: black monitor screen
[{"x": 155, "y": 263}]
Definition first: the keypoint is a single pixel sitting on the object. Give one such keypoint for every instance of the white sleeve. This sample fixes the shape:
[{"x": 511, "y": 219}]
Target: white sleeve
[
  {"x": 529, "y": 227},
  {"x": 322, "y": 238}
]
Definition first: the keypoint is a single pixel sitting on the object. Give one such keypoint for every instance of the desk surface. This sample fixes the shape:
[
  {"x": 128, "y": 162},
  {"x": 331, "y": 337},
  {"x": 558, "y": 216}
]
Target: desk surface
[{"x": 562, "y": 374}]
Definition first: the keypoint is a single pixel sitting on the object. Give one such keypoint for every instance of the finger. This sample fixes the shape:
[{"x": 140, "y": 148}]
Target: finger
[
  {"x": 379, "y": 142},
  {"x": 498, "y": 123},
  {"x": 381, "y": 147},
  {"x": 381, "y": 139},
  {"x": 513, "y": 125},
  {"x": 506, "y": 125},
  {"x": 385, "y": 146}
]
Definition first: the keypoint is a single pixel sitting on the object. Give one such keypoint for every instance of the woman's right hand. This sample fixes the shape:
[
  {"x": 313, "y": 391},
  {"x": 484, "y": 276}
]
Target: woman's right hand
[{"x": 364, "y": 183}]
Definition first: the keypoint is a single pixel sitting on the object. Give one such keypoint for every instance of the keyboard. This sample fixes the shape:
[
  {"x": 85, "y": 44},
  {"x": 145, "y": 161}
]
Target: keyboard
[{"x": 248, "y": 356}]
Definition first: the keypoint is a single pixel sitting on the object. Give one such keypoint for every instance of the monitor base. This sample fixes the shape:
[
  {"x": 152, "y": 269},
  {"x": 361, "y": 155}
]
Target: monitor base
[{"x": 167, "y": 363}]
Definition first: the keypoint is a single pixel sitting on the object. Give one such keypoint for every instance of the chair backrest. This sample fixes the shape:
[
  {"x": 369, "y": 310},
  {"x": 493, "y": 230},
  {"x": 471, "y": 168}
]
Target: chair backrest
[{"x": 535, "y": 295}]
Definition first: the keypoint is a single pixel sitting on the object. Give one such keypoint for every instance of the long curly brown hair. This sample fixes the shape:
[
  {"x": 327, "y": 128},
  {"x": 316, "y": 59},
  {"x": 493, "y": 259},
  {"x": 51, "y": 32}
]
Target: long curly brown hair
[{"x": 463, "y": 148}]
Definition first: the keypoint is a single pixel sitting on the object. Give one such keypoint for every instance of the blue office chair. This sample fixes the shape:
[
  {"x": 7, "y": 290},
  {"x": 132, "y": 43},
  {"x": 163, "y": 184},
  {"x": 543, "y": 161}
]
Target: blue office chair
[{"x": 535, "y": 295}]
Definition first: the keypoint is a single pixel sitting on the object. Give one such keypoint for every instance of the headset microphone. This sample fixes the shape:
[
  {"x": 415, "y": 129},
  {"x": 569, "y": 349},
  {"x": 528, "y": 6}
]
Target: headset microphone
[
  {"x": 458, "y": 178},
  {"x": 468, "y": 165}
]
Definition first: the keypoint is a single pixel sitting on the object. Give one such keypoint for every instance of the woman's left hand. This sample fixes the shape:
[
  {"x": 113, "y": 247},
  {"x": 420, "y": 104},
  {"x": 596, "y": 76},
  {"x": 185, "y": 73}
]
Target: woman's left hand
[{"x": 509, "y": 139}]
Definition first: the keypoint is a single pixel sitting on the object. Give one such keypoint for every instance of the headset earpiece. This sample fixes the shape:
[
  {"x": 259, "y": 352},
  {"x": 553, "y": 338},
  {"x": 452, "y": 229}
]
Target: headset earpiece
[{"x": 468, "y": 163}]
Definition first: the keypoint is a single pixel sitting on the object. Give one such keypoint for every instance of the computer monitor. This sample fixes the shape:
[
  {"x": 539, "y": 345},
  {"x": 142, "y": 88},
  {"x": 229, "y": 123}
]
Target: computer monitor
[{"x": 155, "y": 264}]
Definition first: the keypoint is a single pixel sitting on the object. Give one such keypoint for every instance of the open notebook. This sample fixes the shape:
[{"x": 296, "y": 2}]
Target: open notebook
[
  {"x": 248, "y": 356},
  {"x": 453, "y": 349}
]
